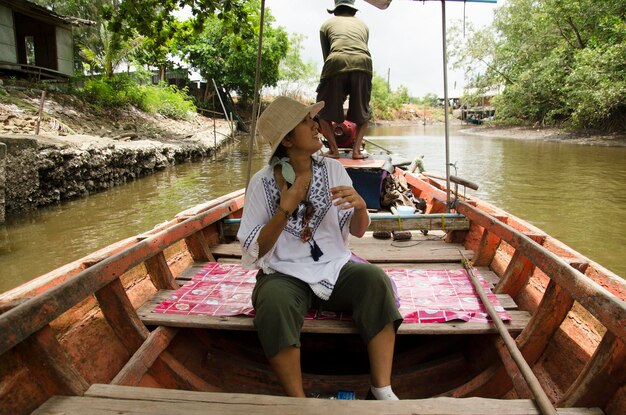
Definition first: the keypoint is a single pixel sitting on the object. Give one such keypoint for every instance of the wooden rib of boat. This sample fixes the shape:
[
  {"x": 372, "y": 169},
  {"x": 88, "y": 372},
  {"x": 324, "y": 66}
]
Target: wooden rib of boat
[{"x": 83, "y": 339}]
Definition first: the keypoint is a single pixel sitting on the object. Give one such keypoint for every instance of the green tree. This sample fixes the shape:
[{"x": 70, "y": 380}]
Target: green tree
[
  {"x": 384, "y": 101},
  {"x": 296, "y": 75},
  {"x": 230, "y": 58},
  {"x": 109, "y": 51},
  {"x": 562, "y": 63}
]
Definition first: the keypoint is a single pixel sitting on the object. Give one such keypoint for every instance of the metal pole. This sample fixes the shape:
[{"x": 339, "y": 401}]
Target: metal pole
[
  {"x": 255, "y": 103},
  {"x": 445, "y": 103}
]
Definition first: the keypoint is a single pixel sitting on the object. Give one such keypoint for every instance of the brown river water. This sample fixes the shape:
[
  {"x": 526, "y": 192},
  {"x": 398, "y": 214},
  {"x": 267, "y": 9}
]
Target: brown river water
[{"x": 575, "y": 193}]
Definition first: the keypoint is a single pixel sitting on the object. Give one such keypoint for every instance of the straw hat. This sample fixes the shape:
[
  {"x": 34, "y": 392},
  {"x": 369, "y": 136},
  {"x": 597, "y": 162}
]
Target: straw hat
[
  {"x": 282, "y": 116},
  {"x": 349, "y": 3}
]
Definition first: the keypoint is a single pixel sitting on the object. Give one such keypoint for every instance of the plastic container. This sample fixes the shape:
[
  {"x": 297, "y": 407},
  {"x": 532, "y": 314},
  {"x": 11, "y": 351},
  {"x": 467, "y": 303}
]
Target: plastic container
[{"x": 405, "y": 210}]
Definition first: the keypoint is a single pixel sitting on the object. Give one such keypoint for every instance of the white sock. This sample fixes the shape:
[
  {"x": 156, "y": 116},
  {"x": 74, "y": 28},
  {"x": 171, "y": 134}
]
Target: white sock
[{"x": 384, "y": 394}]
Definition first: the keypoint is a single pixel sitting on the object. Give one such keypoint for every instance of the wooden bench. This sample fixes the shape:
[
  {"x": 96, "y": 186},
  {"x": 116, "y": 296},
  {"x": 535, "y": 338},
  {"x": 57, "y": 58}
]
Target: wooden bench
[
  {"x": 519, "y": 319},
  {"x": 110, "y": 399},
  {"x": 390, "y": 222}
]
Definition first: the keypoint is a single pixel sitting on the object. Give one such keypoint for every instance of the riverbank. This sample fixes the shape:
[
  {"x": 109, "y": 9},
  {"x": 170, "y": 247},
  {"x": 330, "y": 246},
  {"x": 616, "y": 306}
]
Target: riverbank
[
  {"x": 81, "y": 150},
  {"x": 592, "y": 138}
]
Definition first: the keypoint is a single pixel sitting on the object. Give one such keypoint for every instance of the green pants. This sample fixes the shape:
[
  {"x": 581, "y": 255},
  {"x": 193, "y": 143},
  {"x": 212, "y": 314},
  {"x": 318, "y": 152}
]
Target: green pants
[{"x": 281, "y": 302}]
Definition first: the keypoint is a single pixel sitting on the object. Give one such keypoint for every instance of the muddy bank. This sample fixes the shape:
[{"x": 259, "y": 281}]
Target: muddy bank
[
  {"x": 550, "y": 134},
  {"x": 42, "y": 170},
  {"x": 82, "y": 149}
]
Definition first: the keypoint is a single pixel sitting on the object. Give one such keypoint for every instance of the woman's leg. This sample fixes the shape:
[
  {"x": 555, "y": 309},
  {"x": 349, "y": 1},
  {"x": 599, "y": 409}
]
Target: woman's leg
[
  {"x": 280, "y": 303},
  {"x": 365, "y": 290},
  {"x": 380, "y": 352},
  {"x": 286, "y": 366}
]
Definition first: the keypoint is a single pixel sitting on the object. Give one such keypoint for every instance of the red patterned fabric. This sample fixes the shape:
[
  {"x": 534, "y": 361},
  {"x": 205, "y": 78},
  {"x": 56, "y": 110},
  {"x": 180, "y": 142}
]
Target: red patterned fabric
[{"x": 426, "y": 296}]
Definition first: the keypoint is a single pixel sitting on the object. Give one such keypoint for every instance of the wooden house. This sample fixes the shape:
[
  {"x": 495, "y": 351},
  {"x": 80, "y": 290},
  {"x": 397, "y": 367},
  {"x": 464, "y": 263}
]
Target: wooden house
[{"x": 35, "y": 40}]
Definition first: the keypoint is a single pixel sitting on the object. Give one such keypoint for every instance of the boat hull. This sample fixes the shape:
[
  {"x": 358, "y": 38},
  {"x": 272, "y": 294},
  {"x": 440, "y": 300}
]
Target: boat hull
[{"x": 78, "y": 325}]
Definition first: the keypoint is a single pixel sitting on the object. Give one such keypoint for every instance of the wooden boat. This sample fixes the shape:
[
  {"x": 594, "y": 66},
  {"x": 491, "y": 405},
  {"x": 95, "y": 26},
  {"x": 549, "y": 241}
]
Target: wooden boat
[{"x": 84, "y": 339}]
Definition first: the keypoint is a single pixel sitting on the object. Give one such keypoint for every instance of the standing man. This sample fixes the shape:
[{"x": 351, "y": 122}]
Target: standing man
[{"x": 347, "y": 71}]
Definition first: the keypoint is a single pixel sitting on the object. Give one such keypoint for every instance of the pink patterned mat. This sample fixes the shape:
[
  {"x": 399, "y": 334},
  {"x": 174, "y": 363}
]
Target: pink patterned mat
[{"x": 426, "y": 296}]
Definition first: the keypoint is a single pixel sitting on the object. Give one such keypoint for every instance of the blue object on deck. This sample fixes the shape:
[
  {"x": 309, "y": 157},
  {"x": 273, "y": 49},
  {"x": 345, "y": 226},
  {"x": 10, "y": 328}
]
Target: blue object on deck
[
  {"x": 368, "y": 183},
  {"x": 346, "y": 395}
]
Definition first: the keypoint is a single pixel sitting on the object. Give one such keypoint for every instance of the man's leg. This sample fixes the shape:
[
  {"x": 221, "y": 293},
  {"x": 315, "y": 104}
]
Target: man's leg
[
  {"x": 326, "y": 128},
  {"x": 359, "y": 111},
  {"x": 286, "y": 366},
  {"x": 358, "y": 142}
]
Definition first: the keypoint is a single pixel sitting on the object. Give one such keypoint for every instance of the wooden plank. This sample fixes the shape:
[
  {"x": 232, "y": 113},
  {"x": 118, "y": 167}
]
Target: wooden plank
[
  {"x": 609, "y": 309},
  {"x": 144, "y": 357},
  {"x": 49, "y": 366},
  {"x": 487, "y": 249},
  {"x": 108, "y": 399},
  {"x": 160, "y": 273},
  {"x": 533, "y": 340},
  {"x": 429, "y": 248},
  {"x": 602, "y": 376},
  {"x": 121, "y": 316},
  {"x": 518, "y": 271},
  {"x": 518, "y": 322},
  {"x": 390, "y": 222},
  {"x": 198, "y": 247},
  {"x": 520, "y": 385},
  {"x": 25, "y": 319},
  {"x": 171, "y": 373}
]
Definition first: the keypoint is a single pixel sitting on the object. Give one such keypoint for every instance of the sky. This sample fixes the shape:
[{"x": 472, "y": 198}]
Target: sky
[{"x": 405, "y": 39}]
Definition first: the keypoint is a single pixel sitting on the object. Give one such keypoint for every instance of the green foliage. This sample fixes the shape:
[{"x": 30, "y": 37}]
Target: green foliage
[
  {"x": 167, "y": 100},
  {"x": 296, "y": 75},
  {"x": 230, "y": 58},
  {"x": 124, "y": 90},
  {"x": 384, "y": 101},
  {"x": 430, "y": 100},
  {"x": 562, "y": 63}
]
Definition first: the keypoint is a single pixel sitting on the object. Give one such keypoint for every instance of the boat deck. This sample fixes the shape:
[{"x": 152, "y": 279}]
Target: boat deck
[
  {"x": 111, "y": 399},
  {"x": 420, "y": 252}
]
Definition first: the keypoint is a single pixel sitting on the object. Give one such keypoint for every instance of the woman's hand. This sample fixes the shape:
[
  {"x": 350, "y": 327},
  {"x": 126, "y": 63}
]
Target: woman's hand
[
  {"x": 347, "y": 197},
  {"x": 290, "y": 197}
]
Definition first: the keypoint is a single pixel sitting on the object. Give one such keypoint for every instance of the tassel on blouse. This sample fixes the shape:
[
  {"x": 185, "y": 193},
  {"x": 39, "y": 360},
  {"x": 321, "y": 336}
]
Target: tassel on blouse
[{"x": 316, "y": 252}]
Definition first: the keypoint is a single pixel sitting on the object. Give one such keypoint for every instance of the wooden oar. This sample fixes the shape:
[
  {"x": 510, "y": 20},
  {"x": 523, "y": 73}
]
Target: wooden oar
[{"x": 541, "y": 398}]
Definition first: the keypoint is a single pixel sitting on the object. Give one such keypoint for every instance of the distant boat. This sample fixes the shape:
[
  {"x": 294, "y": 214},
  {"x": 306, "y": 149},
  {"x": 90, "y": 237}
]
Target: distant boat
[{"x": 85, "y": 338}]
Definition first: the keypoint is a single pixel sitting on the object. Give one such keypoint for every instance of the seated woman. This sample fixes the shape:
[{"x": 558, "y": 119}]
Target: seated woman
[{"x": 298, "y": 213}]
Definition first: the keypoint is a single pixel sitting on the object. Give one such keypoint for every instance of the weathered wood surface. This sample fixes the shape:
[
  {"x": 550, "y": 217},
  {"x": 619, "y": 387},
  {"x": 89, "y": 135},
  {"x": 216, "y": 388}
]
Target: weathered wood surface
[
  {"x": 48, "y": 363},
  {"x": 109, "y": 399},
  {"x": 30, "y": 316},
  {"x": 609, "y": 309},
  {"x": 489, "y": 276},
  {"x": 145, "y": 356},
  {"x": 519, "y": 319},
  {"x": 430, "y": 248},
  {"x": 391, "y": 222}
]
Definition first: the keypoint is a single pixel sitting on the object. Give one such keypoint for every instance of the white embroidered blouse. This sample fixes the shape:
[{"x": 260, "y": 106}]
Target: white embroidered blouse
[{"x": 291, "y": 255}]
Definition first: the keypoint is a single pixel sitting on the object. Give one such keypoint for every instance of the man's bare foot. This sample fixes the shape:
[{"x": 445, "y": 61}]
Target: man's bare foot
[
  {"x": 358, "y": 156},
  {"x": 331, "y": 155}
]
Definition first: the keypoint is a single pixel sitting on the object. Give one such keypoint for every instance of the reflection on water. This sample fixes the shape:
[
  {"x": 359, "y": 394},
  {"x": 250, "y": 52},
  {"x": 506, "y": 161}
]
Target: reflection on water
[{"x": 575, "y": 193}]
